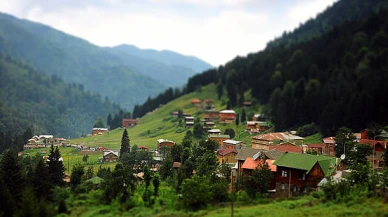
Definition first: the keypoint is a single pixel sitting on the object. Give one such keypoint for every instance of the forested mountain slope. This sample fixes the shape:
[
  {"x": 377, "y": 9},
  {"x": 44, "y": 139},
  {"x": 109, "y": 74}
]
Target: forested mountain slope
[
  {"x": 336, "y": 79},
  {"x": 29, "y": 98},
  {"x": 125, "y": 79},
  {"x": 342, "y": 11}
]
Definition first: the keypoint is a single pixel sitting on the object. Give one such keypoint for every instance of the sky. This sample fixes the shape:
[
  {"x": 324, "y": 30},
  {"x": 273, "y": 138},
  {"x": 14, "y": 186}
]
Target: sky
[{"x": 214, "y": 30}]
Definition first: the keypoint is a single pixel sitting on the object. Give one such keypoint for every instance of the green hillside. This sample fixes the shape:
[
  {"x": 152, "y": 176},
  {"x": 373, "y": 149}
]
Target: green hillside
[
  {"x": 160, "y": 125},
  {"x": 29, "y": 98}
]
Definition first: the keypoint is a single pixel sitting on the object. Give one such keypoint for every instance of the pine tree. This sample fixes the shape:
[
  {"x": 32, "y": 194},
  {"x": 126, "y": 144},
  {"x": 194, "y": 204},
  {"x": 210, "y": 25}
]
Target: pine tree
[
  {"x": 109, "y": 120},
  {"x": 125, "y": 144},
  {"x": 243, "y": 116},
  {"x": 41, "y": 183},
  {"x": 12, "y": 174},
  {"x": 55, "y": 166}
]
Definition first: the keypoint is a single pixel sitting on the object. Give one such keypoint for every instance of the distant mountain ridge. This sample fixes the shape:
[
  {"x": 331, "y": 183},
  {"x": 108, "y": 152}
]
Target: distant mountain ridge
[
  {"x": 166, "y": 56},
  {"x": 125, "y": 78}
]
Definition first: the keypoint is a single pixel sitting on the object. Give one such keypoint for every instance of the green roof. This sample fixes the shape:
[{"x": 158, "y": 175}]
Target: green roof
[
  {"x": 95, "y": 180},
  {"x": 307, "y": 162}
]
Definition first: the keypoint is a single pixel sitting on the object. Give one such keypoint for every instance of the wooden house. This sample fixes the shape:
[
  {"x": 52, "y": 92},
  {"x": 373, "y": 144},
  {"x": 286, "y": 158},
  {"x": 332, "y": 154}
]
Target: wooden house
[
  {"x": 227, "y": 116},
  {"x": 242, "y": 155},
  {"x": 257, "y": 126},
  {"x": 233, "y": 144},
  {"x": 258, "y": 117},
  {"x": 328, "y": 147},
  {"x": 189, "y": 124},
  {"x": 251, "y": 164},
  {"x": 319, "y": 148},
  {"x": 110, "y": 156},
  {"x": 376, "y": 159},
  {"x": 265, "y": 140},
  {"x": 226, "y": 155},
  {"x": 300, "y": 173},
  {"x": 129, "y": 123},
  {"x": 142, "y": 148},
  {"x": 174, "y": 114},
  {"x": 196, "y": 102},
  {"x": 214, "y": 132},
  {"x": 286, "y": 147},
  {"x": 164, "y": 143},
  {"x": 219, "y": 138},
  {"x": 210, "y": 115},
  {"x": 99, "y": 131}
]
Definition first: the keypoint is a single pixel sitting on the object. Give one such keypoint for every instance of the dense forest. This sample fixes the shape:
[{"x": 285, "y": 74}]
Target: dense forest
[
  {"x": 336, "y": 78},
  {"x": 46, "y": 104}
]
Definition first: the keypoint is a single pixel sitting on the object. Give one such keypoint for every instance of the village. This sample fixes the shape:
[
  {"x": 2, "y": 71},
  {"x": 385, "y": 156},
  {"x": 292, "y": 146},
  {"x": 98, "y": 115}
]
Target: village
[{"x": 297, "y": 167}]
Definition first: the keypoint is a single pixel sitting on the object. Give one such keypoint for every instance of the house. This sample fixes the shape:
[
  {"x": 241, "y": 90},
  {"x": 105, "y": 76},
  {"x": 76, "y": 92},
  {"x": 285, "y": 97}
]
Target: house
[
  {"x": 300, "y": 173},
  {"x": 226, "y": 155},
  {"x": 210, "y": 115},
  {"x": 142, "y": 148},
  {"x": 257, "y": 126},
  {"x": 233, "y": 144},
  {"x": 319, "y": 148},
  {"x": 99, "y": 131},
  {"x": 258, "y": 117},
  {"x": 219, "y": 138},
  {"x": 251, "y": 164},
  {"x": 214, "y": 132},
  {"x": 227, "y": 116},
  {"x": 208, "y": 124},
  {"x": 265, "y": 140},
  {"x": 129, "y": 123},
  {"x": 189, "y": 124},
  {"x": 247, "y": 104},
  {"x": 164, "y": 143},
  {"x": 189, "y": 118},
  {"x": 376, "y": 159},
  {"x": 110, "y": 156},
  {"x": 287, "y": 147},
  {"x": 186, "y": 115},
  {"x": 242, "y": 155},
  {"x": 195, "y": 102},
  {"x": 176, "y": 165},
  {"x": 174, "y": 114},
  {"x": 328, "y": 148}
]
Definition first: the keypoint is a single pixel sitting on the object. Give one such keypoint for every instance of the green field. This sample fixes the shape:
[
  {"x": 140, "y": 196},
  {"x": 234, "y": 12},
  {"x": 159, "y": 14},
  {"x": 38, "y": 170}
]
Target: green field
[{"x": 160, "y": 125}]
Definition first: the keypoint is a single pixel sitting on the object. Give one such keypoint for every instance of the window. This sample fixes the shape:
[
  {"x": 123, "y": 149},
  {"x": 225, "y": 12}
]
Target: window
[
  {"x": 282, "y": 186},
  {"x": 284, "y": 173},
  {"x": 302, "y": 176},
  {"x": 294, "y": 188}
]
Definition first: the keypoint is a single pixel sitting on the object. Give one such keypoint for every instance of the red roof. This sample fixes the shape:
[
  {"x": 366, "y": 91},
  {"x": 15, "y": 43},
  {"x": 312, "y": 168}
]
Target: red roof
[
  {"x": 223, "y": 152},
  {"x": 287, "y": 147},
  {"x": 252, "y": 164},
  {"x": 195, "y": 101}
]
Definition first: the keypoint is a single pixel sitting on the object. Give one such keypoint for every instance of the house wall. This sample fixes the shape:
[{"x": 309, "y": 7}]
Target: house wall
[
  {"x": 294, "y": 184},
  {"x": 110, "y": 157},
  {"x": 229, "y": 158},
  {"x": 220, "y": 141},
  {"x": 227, "y": 117}
]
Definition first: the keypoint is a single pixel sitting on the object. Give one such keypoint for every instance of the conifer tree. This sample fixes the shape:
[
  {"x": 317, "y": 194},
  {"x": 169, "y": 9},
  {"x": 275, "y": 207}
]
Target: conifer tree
[
  {"x": 55, "y": 166},
  {"x": 41, "y": 183},
  {"x": 12, "y": 174},
  {"x": 243, "y": 116},
  {"x": 125, "y": 143}
]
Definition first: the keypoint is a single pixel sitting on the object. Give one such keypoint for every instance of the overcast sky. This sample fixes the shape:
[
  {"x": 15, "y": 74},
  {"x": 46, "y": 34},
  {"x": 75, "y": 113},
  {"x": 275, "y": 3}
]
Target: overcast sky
[{"x": 213, "y": 30}]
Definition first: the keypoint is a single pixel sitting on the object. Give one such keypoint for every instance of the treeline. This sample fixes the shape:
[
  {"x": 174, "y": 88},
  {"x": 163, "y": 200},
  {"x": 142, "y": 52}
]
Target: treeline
[
  {"x": 9, "y": 140},
  {"x": 46, "y": 103},
  {"x": 337, "y": 79},
  {"x": 344, "y": 10}
]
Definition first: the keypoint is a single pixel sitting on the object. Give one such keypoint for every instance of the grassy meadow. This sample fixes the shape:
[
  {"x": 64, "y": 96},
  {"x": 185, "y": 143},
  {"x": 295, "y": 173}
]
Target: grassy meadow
[{"x": 160, "y": 125}]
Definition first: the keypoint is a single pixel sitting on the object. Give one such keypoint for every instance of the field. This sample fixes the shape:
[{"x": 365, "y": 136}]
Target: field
[{"x": 160, "y": 125}]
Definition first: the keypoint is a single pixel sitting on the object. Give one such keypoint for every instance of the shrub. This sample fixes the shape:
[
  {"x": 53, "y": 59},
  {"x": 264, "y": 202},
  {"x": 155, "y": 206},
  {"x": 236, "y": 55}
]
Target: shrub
[{"x": 307, "y": 130}]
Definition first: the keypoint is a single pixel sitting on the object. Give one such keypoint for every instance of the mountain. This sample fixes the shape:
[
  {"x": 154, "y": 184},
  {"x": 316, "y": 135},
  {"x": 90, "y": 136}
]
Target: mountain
[
  {"x": 167, "y": 57},
  {"x": 336, "y": 78},
  {"x": 29, "y": 98},
  {"x": 126, "y": 79}
]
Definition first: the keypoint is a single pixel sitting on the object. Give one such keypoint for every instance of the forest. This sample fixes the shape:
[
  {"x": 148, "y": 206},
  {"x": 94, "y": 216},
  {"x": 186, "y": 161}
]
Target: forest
[
  {"x": 334, "y": 77},
  {"x": 45, "y": 104}
]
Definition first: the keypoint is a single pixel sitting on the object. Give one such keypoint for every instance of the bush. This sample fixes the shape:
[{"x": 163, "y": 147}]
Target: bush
[{"x": 307, "y": 130}]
